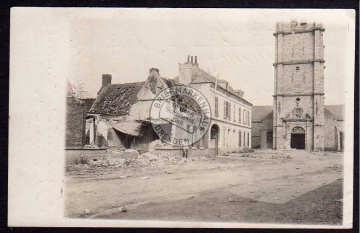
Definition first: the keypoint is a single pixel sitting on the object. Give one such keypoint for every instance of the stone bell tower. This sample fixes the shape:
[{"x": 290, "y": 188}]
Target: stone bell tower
[{"x": 299, "y": 86}]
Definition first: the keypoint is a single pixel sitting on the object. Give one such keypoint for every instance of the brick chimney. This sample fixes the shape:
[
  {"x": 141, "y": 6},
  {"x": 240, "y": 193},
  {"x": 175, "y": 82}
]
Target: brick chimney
[
  {"x": 187, "y": 70},
  {"x": 106, "y": 79}
]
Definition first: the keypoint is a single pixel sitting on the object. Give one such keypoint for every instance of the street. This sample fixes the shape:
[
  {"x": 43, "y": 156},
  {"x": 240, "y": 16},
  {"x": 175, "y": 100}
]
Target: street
[{"x": 265, "y": 186}]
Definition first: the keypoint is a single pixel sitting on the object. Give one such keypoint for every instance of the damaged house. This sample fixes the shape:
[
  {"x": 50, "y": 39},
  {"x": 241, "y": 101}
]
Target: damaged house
[{"x": 120, "y": 115}]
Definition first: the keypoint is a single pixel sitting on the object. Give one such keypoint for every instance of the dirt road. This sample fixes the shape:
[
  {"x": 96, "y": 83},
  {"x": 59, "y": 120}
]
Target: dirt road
[{"x": 264, "y": 184}]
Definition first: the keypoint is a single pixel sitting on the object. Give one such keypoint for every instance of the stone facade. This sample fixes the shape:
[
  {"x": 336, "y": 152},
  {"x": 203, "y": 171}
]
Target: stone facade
[
  {"x": 75, "y": 122},
  {"x": 298, "y": 119},
  {"x": 262, "y": 127}
]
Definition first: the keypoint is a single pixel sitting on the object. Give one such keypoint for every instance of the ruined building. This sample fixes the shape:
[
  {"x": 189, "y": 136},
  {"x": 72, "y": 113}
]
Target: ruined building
[
  {"x": 75, "y": 120},
  {"x": 120, "y": 115},
  {"x": 298, "y": 119}
]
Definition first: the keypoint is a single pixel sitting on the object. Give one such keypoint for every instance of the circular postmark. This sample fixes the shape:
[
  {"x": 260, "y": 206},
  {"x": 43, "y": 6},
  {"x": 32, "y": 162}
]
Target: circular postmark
[{"x": 180, "y": 115}]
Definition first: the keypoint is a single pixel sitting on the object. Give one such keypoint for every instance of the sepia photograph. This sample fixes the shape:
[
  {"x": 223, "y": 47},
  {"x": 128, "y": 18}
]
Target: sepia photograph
[{"x": 166, "y": 117}]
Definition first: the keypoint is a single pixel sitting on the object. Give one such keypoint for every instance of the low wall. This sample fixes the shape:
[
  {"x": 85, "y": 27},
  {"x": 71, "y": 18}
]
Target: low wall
[{"x": 72, "y": 155}]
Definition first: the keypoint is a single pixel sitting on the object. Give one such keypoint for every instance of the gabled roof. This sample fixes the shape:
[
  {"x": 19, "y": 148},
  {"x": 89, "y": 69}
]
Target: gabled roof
[
  {"x": 337, "y": 110},
  {"x": 116, "y": 99},
  {"x": 202, "y": 76},
  {"x": 260, "y": 112}
]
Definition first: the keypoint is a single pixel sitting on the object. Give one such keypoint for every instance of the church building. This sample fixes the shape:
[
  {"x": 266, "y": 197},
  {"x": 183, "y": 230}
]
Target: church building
[{"x": 298, "y": 118}]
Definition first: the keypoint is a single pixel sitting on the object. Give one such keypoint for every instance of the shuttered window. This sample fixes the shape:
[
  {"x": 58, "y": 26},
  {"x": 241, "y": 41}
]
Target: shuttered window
[
  {"x": 229, "y": 112},
  {"x": 216, "y": 107}
]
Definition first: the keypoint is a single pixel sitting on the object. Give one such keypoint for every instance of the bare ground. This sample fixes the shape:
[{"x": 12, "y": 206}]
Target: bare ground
[{"x": 264, "y": 186}]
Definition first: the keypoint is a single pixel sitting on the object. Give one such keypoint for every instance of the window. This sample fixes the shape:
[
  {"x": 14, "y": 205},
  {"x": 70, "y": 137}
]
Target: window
[
  {"x": 240, "y": 115},
  {"x": 229, "y": 113},
  {"x": 216, "y": 106},
  {"x": 248, "y": 141},
  {"x": 239, "y": 138},
  {"x": 229, "y": 138},
  {"x": 248, "y": 118},
  {"x": 269, "y": 136},
  {"x": 244, "y": 119},
  {"x": 244, "y": 139},
  {"x": 234, "y": 114},
  {"x": 234, "y": 139},
  {"x": 227, "y": 110}
]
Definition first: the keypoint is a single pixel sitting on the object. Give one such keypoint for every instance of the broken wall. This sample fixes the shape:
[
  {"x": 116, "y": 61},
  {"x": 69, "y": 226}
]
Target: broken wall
[{"x": 75, "y": 122}]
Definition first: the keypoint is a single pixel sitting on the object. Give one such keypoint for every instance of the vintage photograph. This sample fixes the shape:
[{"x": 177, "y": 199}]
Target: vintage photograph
[{"x": 200, "y": 116}]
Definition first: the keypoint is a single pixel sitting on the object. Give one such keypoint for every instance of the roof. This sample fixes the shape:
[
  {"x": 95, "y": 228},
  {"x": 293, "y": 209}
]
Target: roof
[
  {"x": 337, "y": 110},
  {"x": 131, "y": 128},
  {"x": 89, "y": 102},
  {"x": 260, "y": 112},
  {"x": 116, "y": 99},
  {"x": 183, "y": 100},
  {"x": 202, "y": 76}
]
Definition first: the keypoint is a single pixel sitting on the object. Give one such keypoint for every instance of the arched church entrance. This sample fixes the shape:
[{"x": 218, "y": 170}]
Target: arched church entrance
[
  {"x": 214, "y": 137},
  {"x": 297, "y": 138}
]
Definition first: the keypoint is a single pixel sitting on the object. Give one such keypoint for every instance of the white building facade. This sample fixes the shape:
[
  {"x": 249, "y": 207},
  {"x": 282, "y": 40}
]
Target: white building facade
[{"x": 230, "y": 129}]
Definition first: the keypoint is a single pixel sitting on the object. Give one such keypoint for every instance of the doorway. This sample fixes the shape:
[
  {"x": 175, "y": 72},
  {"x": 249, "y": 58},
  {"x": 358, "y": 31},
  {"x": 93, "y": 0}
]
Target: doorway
[
  {"x": 214, "y": 136},
  {"x": 298, "y": 138}
]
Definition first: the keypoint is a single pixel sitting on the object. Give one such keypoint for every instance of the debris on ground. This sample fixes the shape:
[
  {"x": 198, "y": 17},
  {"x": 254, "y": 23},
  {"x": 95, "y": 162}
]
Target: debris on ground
[
  {"x": 121, "y": 158},
  {"x": 158, "y": 144}
]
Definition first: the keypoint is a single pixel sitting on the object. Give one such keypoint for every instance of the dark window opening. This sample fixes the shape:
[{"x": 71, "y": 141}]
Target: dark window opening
[{"x": 269, "y": 136}]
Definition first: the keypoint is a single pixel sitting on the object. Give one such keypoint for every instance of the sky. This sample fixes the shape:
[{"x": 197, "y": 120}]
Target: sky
[{"x": 234, "y": 44}]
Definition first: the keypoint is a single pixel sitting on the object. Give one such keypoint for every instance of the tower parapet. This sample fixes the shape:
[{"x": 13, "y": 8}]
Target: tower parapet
[{"x": 297, "y": 27}]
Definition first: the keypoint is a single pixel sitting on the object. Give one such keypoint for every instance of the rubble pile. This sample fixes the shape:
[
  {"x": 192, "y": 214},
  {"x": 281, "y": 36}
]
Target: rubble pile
[
  {"x": 131, "y": 158},
  {"x": 148, "y": 159},
  {"x": 158, "y": 144}
]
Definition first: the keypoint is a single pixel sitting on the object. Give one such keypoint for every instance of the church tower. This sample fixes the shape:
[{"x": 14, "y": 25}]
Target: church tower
[{"x": 299, "y": 86}]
